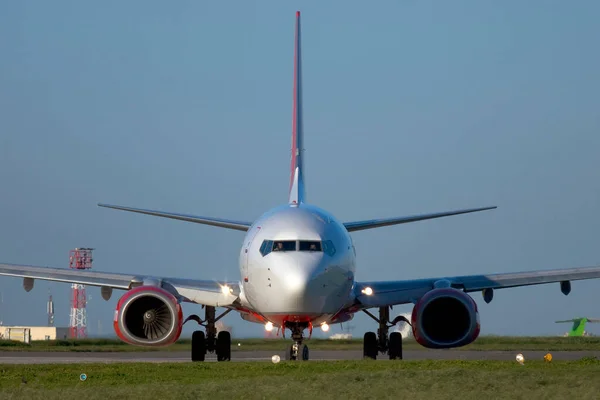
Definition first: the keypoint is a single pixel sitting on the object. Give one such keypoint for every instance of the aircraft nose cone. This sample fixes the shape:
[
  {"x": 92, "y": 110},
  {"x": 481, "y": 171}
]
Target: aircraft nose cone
[
  {"x": 301, "y": 284},
  {"x": 296, "y": 279},
  {"x": 295, "y": 275}
]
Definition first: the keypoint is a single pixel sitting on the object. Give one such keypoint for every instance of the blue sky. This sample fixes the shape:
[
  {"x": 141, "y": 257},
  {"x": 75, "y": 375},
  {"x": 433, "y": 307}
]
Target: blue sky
[{"x": 409, "y": 107}]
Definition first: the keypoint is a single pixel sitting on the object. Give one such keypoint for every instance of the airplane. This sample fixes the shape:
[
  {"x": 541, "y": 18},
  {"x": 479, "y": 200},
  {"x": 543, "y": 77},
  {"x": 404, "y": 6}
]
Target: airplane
[
  {"x": 297, "y": 271},
  {"x": 578, "y": 327}
]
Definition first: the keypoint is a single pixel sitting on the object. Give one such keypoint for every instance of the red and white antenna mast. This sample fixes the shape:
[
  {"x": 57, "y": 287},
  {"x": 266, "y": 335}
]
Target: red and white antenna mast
[{"x": 81, "y": 259}]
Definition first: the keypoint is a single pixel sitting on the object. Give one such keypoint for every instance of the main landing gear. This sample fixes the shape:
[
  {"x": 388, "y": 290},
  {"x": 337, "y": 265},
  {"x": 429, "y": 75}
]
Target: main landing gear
[
  {"x": 210, "y": 342},
  {"x": 374, "y": 344},
  {"x": 297, "y": 351}
]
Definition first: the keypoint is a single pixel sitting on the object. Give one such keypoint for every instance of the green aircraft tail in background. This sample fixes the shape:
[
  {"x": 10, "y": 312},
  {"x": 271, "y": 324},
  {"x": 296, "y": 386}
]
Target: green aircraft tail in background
[{"x": 578, "y": 328}]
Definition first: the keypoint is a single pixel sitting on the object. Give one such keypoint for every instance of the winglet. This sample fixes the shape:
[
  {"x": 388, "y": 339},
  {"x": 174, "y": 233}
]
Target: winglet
[{"x": 296, "y": 189}]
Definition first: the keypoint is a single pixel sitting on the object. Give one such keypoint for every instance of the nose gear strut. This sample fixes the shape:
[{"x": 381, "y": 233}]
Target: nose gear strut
[{"x": 297, "y": 351}]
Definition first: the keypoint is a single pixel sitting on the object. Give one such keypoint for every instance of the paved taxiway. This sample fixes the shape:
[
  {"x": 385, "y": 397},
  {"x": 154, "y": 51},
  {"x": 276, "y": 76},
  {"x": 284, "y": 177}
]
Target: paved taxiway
[{"x": 323, "y": 355}]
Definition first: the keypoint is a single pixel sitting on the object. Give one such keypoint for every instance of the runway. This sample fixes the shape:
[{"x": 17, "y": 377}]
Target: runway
[{"x": 26, "y": 357}]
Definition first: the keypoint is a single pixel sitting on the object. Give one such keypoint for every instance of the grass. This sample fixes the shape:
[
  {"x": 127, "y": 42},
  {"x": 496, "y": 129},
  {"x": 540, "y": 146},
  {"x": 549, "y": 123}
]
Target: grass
[
  {"x": 483, "y": 343},
  {"x": 343, "y": 379}
]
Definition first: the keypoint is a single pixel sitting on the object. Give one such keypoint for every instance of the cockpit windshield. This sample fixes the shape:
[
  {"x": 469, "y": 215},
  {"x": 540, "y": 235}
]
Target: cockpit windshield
[
  {"x": 269, "y": 246},
  {"x": 306, "y": 245},
  {"x": 284, "y": 245}
]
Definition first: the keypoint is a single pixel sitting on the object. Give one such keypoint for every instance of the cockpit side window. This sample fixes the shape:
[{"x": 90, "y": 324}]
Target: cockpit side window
[
  {"x": 328, "y": 247},
  {"x": 266, "y": 247},
  {"x": 284, "y": 245},
  {"x": 310, "y": 245}
]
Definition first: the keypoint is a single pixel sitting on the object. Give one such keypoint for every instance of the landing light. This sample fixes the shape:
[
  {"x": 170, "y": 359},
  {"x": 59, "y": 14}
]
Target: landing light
[
  {"x": 269, "y": 326},
  {"x": 226, "y": 289},
  {"x": 324, "y": 327},
  {"x": 368, "y": 291}
]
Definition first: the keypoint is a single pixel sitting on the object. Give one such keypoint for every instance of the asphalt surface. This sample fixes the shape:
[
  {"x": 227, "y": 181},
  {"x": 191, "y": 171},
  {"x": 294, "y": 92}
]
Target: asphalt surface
[{"x": 324, "y": 355}]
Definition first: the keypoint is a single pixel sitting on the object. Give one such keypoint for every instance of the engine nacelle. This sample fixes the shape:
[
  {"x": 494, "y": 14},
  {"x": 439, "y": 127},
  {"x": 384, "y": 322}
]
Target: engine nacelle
[
  {"x": 148, "y": 316},
  {"x": 445, "y": 318}
]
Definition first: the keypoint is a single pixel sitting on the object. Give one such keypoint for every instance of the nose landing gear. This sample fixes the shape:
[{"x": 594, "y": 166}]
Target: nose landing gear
[
  {"x": 380, "y": 342},
  {"x": 297, "y": 351}
]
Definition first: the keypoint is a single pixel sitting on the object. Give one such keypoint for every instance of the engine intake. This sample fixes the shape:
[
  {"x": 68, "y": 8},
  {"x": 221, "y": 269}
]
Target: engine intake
[
  {"x": 445, "y": 318},
  {"x": 148, "y": 316}
]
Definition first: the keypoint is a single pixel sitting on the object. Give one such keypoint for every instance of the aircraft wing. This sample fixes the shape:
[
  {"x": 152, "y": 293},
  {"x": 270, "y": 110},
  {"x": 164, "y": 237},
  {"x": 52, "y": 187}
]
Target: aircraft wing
[
  {"x": 387, "y": 293},
  {"x": 219, "y": 222},
  {"x": 207, "y": 292},
  {"x": 378, "y": 223}
]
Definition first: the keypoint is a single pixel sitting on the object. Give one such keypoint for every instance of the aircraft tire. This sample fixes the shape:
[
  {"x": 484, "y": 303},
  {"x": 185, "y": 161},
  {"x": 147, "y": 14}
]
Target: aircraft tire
[
  {"x": 198, "y": 346},
  {"x": 370, "y": 345},
  {"x": 304, "y": 352},
  {"x": 395, "y": 346},
  {"x": 224, "y": 346},
  {"x": 288, "y": 353}
]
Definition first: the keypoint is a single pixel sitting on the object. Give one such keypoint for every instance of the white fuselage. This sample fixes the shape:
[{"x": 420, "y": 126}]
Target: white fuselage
[{"x": 297, "y": 284}]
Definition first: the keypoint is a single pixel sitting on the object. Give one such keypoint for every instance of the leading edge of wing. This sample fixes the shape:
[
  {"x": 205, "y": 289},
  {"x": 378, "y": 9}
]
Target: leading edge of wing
[
  {"x": 378, "y": 223},
  {"x": 207, "y": 292},
  {"x": 401, "y": 292},
  {"x": 471, "y": 283},
  {"x": 219, "y": 222},
  {"x": 82, "y": 277}
]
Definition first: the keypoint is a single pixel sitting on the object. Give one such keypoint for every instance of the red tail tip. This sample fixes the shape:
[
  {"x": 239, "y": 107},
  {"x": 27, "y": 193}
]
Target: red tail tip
[{"x": 297, "y": 13}]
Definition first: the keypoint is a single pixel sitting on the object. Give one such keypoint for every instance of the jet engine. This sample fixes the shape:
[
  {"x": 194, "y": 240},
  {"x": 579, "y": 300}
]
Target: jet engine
[
  {"x": 445, "y": 318},
  {"x": 148, "y": 316}
]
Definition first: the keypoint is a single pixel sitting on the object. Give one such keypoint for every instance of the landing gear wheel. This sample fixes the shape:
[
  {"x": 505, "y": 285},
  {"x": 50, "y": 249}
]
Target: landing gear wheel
[
  {"x": 370, "y": 345},
  {"x": 289, "y": 353},
  {"x": 198, "y": 346},
  {"x": 224, "y": 346},
  {"x": 395, "y": 346},
  {"x": 303, "y": 352}
]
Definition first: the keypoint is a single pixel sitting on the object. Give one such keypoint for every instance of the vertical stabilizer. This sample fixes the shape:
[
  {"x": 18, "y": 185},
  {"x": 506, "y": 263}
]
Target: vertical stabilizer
[
  {"x": 578, "y": 327},
  {"x": 296, "y": 194}
]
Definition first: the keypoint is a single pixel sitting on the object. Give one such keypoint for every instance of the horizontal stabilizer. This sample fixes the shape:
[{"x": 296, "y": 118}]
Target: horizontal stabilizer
[
  {"x": 378, "y": 223},
  {"x": 219, "y": 222},
  {"x": 591, "y": 320}
]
